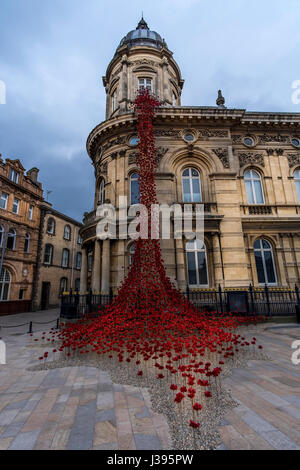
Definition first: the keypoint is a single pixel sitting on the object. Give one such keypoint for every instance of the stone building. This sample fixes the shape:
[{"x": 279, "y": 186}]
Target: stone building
[
  {"x": 21, "y": 195},
  {"x": 59, "y": 258},
  {"x": 243, "y": 166}
]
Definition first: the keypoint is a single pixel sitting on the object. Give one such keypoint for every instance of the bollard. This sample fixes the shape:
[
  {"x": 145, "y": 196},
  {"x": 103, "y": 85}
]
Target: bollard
[
  {"x": 298, "y": 313},
  {"x": 30, "y": 327},
  {"x": 57, "y": 324}
]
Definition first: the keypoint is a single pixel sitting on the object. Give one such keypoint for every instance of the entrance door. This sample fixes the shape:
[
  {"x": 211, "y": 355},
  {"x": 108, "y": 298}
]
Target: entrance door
[{"x": 45, "y": 295}]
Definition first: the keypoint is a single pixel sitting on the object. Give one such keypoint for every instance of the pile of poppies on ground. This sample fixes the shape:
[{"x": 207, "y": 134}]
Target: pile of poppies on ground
[{"x": 151, "y": 330}]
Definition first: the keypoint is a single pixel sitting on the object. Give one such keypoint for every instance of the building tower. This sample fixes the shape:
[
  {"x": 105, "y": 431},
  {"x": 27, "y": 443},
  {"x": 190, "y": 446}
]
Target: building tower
[{"x": 243, "y": 166}]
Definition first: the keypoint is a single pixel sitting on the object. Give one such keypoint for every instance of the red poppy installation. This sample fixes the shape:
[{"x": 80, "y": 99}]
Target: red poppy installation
[{"x": 151, "y": 328}]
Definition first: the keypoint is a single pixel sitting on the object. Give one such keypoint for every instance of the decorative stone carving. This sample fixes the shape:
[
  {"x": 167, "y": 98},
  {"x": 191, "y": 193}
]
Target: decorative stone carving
[
  {"x": 222, "y": 154},
  {"x": 253, "y": 158},
  {"x": 169, "y": 133},
  {"x": 121, "y": 140},
  {"x": 103, "y": 168},
  {"x": 144, "y": 62},
  {"x": 272, "y": 151},
  {"x": 237, "y": 139},
  {"x": 132, "y": 159},
  {"x": 161, "y": 151},
  {"x": 212, "y": 133},
  {"x": 293, "y": 159},
  {"x": 265, "y": 138}
]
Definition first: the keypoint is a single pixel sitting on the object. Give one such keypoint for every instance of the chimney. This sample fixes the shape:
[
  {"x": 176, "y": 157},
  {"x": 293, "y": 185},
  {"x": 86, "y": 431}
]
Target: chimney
[{"x": 33, "y": 174}]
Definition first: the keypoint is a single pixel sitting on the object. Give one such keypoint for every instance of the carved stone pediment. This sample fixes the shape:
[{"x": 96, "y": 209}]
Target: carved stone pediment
[
  {"x": 253, "y": 158},
  {"x": 212, "y": 133}
]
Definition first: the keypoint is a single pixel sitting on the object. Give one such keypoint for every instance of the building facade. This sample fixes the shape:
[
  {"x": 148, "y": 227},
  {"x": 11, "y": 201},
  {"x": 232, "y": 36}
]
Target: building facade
[
  {"x": 21, "y": 196},
  {"x": 243, "y": 166},
  {"x": 59, "y": 258}
]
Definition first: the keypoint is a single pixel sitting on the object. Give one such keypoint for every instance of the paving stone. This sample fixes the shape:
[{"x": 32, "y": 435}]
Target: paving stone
[
  {"x": 24, "y": 441},
  {"x": 106, "y": 415},
  {"x": 12, "y": 430},
  {"x": 144, "y": 413},
  {"x": 16, "y": 405},
  {"x": 147, "y": 442}
]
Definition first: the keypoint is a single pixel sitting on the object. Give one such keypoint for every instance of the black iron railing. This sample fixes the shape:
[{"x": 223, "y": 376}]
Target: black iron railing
[{"x": 267, "y": 301}]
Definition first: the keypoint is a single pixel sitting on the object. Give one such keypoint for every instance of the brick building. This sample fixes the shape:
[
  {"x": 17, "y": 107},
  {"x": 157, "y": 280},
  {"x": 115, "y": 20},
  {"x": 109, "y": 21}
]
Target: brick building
[
  {"x": 59, "y": 258},
  {"x": 21, "y": 195}
]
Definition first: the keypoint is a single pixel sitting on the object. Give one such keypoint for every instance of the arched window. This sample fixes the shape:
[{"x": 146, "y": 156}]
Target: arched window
[
  {"x": 197, "y": 263},
  {"x": 67, "y": 232},
  {"x": 63, "y": 287},
  {"x": 131, "y": 254},
  {"x": 191, "y": 186},
  {"x": 51, "y": 226},
  {"x": 78, "y": 260},
  {"x": 2, "y": 231},
  {"x": 48, "y": 255},
  {"x": 264, "y": 260},
  {"x": 11, "y": 239},
  {"x": 114, "y": 101},
  {"x": 101, "y": 198},
  {"x": 77, "y": 284},
  {"x": 253, "y": 186},
  {"x": 174, "y": 99},
  {"x": 65, "y": 258},
  {"x": 5, "y": 280},
  {"x": 27, "y": 243},
  {"x": 134, "y": 189},
  {"x": 297, "y": 183}
]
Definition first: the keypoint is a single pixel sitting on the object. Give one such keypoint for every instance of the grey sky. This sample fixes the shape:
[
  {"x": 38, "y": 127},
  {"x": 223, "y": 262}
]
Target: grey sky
[{"x": 53, "y": 54}]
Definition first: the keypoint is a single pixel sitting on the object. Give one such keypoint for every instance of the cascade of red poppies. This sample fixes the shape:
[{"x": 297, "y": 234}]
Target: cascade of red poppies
[{"x": 151, "y": 326}]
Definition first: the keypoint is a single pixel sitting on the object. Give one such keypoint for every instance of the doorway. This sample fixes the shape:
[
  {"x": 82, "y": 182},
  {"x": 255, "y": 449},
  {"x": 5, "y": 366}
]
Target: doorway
[{"x": 45, "y": 295}]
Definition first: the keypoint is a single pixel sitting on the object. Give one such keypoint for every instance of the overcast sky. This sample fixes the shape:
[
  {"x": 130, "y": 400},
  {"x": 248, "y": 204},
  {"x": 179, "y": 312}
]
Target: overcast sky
[{"x": 53, "y": 54}]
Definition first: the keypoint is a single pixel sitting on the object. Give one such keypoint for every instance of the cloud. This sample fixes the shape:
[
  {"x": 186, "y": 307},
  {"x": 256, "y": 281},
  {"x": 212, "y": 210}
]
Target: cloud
[{"x": 55, "y": 52}]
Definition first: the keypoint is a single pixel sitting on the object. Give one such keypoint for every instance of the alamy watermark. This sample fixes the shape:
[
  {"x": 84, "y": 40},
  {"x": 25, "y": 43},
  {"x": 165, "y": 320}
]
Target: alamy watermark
[
  {"x": 296, "y": 354},
  {"x": 296, "y": 94},
  {"x": 2, "y": 353},
  {"x": 165, "y": 221},
  {"x": 2, "y": 92}
]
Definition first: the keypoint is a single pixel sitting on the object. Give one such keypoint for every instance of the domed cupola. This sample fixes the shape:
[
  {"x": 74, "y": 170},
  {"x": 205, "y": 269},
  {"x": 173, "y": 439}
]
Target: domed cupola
[
  {"x": 143, "y": 36},
  {"x": 142, "y": 60}
]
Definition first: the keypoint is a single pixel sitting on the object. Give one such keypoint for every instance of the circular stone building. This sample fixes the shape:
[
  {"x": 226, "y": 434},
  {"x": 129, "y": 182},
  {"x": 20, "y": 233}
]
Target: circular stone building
[{"x": 243, "y": 166}]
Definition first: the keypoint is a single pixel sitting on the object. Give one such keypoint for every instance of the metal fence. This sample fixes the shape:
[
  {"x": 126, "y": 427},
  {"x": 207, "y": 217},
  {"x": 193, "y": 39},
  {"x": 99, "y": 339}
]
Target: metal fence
[{"x": 265, "y": 301}]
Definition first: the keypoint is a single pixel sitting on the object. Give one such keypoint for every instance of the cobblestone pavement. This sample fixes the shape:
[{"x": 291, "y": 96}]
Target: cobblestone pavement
[
  {"x": 268, "y": 393},
  {"x": 80, "y": 408}
]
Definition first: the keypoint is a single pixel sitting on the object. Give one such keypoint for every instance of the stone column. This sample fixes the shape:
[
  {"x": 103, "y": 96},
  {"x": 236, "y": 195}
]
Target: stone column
[
  {"x": 217, "y": 261},
  {"x": 83, "y": 272},
  {"x": 105, "y": 267},
  {"x": 180, "y": 265},
  {"x": 96, "y": 267}
]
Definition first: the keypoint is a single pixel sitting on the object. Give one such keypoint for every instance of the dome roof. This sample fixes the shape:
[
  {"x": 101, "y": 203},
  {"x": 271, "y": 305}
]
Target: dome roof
[{"x": 142, "y": 36}]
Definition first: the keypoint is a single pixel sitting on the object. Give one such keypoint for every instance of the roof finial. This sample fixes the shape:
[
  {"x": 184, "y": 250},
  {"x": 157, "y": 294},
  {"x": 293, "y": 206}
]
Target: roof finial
[
  {"x": 142, "y": 24},
  {"x": 220, "y": 100}
]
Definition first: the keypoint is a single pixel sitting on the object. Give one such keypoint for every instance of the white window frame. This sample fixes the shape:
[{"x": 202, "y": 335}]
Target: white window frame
[
  {"x": 27, "y": 239},
  {"x": 11, "y": 234},
  {"x": 16, "y": 205},
  {"x": 49, "y": 263},
  {"x": 114, "y": 100},
  {"x": 65, "y": 260},
  {"x": 67, "y": 228},
  {"x": 297, "y": 183},
  {"x": 14, "y": 176},
  {"x": 2, "y": 233},
  {"x": 3, "y": 282},
  {"x": 252, "y": 178},
  {"x": 30, "y": 212},
  {"x": 60, "y": 285},
  {"x": 131, "y": 180},
  {"x": 52, "y": 225},
  {"x": 142, "y": 81},
  {"x": 262, "y": 250},
  {"x": 4, "y": 197},
  {"x": 101, "y": 198},
  {"x": 196, "y": 250},
  {"x": 78, "y": 255},
  {"x": 190, "y": 177}
]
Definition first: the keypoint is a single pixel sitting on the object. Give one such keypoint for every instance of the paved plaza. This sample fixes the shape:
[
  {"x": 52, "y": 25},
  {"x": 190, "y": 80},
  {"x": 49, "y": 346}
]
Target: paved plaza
[{"x": 80, "y": 408}]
